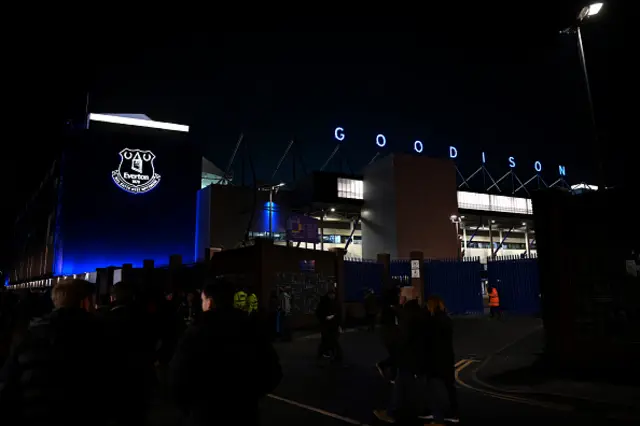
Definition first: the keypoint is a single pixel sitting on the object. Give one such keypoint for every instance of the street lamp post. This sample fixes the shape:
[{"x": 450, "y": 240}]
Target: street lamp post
[
  {"x": 586, "y": 12},
  {"x": 456, "y": 220}
]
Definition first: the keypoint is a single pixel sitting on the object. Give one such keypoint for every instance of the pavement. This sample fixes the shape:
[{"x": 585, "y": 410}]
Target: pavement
[
  {"x": 312, "y": 396},
  {"x": 519, "y": 370}
]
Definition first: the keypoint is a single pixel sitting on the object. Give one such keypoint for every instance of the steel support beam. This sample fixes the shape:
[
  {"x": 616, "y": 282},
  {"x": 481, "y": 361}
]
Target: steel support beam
[{"x": 503, "y": 240}]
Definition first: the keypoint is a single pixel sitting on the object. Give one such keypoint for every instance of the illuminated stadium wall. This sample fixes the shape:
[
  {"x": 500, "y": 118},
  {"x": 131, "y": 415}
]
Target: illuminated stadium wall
[{"x": 127, "y": 193}]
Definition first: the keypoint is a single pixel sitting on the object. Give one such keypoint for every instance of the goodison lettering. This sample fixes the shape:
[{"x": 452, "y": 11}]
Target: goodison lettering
[
  {"x": 453, "y": 152},
  {"x": 381, "y": 141}
]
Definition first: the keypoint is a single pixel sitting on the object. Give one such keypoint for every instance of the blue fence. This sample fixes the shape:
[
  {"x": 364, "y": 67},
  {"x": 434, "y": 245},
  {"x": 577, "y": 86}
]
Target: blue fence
[
  {"x": 400, "y": 270},
  {"x": 517, "y": 281},
  {"x": 458, "y": 283},
  {"x": 360, "y": 275}
]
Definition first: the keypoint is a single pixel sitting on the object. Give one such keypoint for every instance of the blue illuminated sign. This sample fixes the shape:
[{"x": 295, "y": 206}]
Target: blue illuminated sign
[
  {"x": 562, "y": 170},
  {"x": 418, "y": 147},
  {"x": 453, "y": 152}
]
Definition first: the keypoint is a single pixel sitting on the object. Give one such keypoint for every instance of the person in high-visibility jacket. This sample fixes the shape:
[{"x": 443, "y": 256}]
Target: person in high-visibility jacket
[
  {"x": 240, "y": 300},
  {"x": 252, "y": 303},
  {"x": 494, "y": 302}
]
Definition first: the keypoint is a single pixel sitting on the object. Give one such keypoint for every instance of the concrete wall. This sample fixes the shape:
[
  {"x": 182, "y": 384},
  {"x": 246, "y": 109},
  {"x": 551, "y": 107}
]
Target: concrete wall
[
  {"x": 426, "y": 197},
  {"x": 380, "y": 209},
  {"x": 258, "y": 267},
  {"x": 408, "y": 203}
]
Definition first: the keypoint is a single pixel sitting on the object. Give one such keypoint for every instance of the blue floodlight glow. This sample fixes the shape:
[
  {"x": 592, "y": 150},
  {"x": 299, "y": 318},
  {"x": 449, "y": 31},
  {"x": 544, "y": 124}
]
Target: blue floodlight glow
[
  {"x": 453, "y": 152},
  {"x": 484, "y": 158},
  {"x": 270, "y": 216},
  {"x": 77, "y": 263},
  {"x": 562, "y": 170},
  {"x": 381, "y": 141},
  {"x": 418, "y": 147},
  {"x": 512, "y": 162},
  {"x": 338, "y": 133},
  {"x": 538, "y": 166}
]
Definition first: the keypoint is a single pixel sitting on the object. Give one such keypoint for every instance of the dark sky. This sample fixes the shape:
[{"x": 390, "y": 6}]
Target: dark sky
[{"x": 499, "y": 79}]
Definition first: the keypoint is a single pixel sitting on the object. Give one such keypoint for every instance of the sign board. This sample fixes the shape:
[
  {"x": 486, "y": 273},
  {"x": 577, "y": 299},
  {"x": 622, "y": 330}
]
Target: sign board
[
  {"x": 302, "y": 228},
  {"x": 340, "y": 135},
  {"x": 415, "y": 269}
]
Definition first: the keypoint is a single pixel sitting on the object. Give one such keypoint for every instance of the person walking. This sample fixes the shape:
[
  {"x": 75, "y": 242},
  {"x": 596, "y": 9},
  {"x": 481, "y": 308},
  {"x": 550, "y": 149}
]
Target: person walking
[
  {"x": 410, "y": 364},
  {"x": 284, "y": 314},
  {"x": 438, "y": 378},
  {"x": 330, "y": 318},
  {"x": 45, "y": 381},
  {"x": 389, "y": 332},
  {"x": 223, "y": 365},
  {"x": 132, "y": 348},
  {"x": 371, "y": 309}
]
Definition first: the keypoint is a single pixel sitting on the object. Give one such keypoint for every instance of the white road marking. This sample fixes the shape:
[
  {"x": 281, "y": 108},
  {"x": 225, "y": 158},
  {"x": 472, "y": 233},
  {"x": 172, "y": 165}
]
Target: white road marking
[{"x": 317, "y": 410}]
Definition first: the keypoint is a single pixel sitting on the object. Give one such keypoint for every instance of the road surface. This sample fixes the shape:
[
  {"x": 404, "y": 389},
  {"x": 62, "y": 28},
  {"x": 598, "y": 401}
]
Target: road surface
[{"x": 313, "y": 396}]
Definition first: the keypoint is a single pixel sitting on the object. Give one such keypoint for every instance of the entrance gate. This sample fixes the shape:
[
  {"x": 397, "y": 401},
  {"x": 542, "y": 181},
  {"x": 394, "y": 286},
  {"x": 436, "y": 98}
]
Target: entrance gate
[
  {"x": 517, "y": 281},
  {"x": 457, "y": 282},
  {"x": 361, "y": 275}
]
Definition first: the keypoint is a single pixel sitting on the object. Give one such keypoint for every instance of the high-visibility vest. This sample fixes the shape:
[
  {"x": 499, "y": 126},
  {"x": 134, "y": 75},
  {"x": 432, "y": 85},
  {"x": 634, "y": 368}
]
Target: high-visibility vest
[
  {"x": 494, "y": 299},
  {"x": 240, "y": 300},
  {"x": 252, "y": 302}
]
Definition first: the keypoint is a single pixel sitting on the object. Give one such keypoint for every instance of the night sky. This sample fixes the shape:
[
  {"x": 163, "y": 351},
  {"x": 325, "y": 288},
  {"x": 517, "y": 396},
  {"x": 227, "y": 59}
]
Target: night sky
[{"x": 496, "y": 80}]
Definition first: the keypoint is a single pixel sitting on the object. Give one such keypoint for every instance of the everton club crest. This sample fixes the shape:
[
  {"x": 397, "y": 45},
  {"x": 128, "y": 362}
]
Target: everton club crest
[{"x": 136, "y": 173}]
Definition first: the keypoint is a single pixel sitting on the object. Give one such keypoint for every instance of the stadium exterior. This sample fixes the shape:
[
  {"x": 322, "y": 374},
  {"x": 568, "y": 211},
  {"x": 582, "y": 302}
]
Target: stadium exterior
[{"x": 127, "y": 189}]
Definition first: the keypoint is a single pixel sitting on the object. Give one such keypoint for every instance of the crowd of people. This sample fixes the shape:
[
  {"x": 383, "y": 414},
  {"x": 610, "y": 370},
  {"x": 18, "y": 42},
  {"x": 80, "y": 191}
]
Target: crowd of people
[
  {"x": 73, "y": 362},
  {"x": 207, "y": 352},
  {"x": 420, "y": 362}
]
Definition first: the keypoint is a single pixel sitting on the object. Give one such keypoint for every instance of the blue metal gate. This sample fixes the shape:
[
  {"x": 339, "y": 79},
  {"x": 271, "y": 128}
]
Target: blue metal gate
[
  {"x": 360, "y": 275},
  {"x": 517, "y": 281},
  {"x": 400, "y": 270},
  {"x": 458, "y": 283}
]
